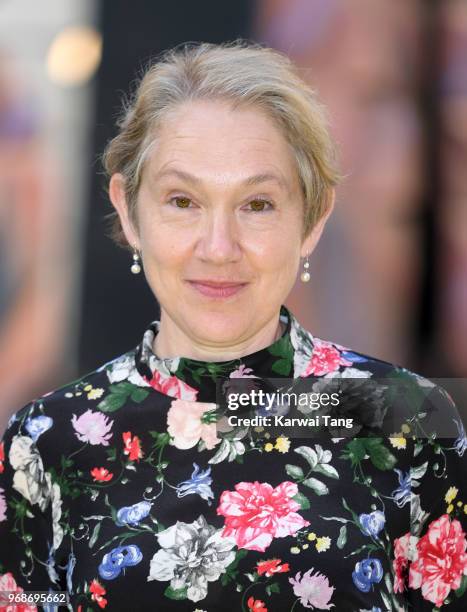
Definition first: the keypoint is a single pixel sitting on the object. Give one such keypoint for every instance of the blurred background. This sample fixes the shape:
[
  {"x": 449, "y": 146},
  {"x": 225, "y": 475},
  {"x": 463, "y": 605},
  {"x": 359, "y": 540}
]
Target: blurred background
[{"x": 389, "y": 277}]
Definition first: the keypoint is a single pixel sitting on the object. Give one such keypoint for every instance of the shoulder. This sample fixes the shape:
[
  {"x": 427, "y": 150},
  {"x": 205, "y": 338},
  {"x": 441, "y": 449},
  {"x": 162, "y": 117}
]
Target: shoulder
[
  {"x": 409, "y": 393},
  {"x": 316, "y": 356},
  {"x": 48, "y": 417}
]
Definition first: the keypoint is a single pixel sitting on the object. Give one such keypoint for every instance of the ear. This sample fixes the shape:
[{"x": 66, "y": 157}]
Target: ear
[
  {"x": 313, "y": 237},
  {"x": 118, "y": 199}
]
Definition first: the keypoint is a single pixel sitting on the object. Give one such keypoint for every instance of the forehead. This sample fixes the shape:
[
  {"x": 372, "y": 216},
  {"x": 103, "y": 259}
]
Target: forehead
[{"x": 212, "y": 139}]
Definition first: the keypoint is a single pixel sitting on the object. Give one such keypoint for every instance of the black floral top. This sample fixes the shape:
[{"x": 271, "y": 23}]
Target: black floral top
[{"x": 122, "y": 490}]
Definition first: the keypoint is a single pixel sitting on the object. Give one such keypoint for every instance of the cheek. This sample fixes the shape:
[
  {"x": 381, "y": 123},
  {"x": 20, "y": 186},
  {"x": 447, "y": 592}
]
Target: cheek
[
  {"x": 161, "y": 243},
  {"x": 160, "y": 253},
  {"x": 279, "y": 255}
]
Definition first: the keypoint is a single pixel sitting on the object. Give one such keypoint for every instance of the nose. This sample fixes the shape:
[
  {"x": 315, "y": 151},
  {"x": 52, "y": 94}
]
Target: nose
[{"x": 219, "y": 237}]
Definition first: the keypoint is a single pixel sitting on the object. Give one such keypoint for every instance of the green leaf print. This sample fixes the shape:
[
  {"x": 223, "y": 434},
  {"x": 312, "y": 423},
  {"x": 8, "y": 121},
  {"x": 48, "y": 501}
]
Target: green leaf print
[
  {"x": 281, "y": 366},
  {"x": 354, "y": 514},
  {"x": 112, "y": 402},
  {"x": 463, "y": 587},
  {"x": 318, "y": 487},
  {"x": 369, "y": 548},
  {"x": 302, "y": 500},
  {"x": 294, "y": 471},
  {"x": 326, "y": 470},
  {"x": 282, "y": 349},
  {"x": 161, "y": 439},
  {"x": 196, "y": 374},
  {"x": 355, "y": 451},
  {"x": 386, "y": 600},
  {"x": 119, "y": 394},
  {"x": 175, "y": 593},
  {"x": 138, "y": 394},
  {"x": 380, "y": 456},
  {"x": 309, "y": 454},
  {"x": 95, "y": 534},
  {"x": 273, "y": 588},
  {"x": 123, "y": 388},
  {"x": 20, "y": 507},
  {"x": 231, "y": 570},
  {"x": 342, "y": 539},
  {"x": 111, "y": 454}
]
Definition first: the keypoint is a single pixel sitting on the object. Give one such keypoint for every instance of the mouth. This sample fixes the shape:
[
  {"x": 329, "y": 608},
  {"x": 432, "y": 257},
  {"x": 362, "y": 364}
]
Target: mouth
[{"x": 216, "y": 289}]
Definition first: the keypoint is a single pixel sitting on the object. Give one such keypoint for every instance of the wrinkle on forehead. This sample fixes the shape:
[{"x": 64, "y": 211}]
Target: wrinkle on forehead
[
  {"x": 255, "y": 179},
  {"x": 224, "y": 146}
]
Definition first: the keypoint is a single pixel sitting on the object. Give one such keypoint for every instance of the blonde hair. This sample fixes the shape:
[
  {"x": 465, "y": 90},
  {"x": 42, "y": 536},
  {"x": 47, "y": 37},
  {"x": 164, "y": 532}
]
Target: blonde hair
[{"x": 241, "y": 73}]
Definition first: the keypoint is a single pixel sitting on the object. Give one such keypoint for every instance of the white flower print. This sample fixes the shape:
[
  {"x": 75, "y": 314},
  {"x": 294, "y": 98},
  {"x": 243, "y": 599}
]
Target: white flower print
[
  {"x": 29, "y": 479},
  {"x": 124, "y": 368},
  {"x": 191, "y": 555}
]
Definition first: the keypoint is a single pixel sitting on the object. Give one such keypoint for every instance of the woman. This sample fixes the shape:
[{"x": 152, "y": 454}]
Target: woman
[{"x": 130, "y": 489}]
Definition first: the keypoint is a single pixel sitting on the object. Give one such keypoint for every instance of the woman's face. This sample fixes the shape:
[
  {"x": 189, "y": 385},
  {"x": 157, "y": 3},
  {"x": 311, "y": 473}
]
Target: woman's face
[{"x": 219, "y": 202}]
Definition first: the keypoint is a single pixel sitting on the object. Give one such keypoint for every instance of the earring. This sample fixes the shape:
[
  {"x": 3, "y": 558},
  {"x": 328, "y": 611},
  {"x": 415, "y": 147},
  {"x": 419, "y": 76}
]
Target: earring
[
  {"x": 136, "y": 268},
  {"x": 305, "y": 275}
]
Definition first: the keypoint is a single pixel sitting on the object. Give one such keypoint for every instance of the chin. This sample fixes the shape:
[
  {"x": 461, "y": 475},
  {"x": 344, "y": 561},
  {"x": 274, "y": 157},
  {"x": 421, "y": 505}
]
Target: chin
[{"x": 222, "y": 324}]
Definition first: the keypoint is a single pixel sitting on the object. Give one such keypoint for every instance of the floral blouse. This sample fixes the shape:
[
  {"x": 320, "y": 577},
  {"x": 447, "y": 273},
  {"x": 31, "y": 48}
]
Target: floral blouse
[{"x": 120, "y": 489}]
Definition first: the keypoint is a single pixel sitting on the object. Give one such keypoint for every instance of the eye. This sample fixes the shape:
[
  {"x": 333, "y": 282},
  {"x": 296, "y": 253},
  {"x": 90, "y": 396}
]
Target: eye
[
  {"x": 180, "y": 201},
  {"x": 260, "y": 205}
]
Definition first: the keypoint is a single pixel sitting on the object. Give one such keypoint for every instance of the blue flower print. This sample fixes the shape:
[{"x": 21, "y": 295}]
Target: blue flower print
[
  {"x": 37, "y": 425},
  {"x": 49, "y": 607},
  {"x": 371, "y": 524},
  {"x": 366, "y": 573},
  {"x": 199, "y": 483},
  {"x": 460, "y": 443},
  {"x": 278, "y": 408},
  {"x": 401, "y": 495},
  {"x": 11, "y": 420},
  {"x": 69, "y": 572},
  {"x": 132, "y": 515},
  {"x": 117, "y": 559},
  {"x": 50, "y": 565},
  {"x": 353, "y": 357}
]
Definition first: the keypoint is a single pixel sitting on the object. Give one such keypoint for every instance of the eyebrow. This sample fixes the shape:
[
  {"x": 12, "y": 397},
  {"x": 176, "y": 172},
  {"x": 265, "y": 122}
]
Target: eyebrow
[{"x": 255, "y": 179}]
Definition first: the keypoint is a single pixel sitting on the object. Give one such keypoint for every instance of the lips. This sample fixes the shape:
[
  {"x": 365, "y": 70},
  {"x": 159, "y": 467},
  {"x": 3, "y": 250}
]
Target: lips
[
  {"x": 212, "y": 283},
  {"x": 216, "y": 289}
]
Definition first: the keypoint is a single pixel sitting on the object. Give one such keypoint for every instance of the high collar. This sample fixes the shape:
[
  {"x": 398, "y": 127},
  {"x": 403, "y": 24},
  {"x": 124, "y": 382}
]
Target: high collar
[{"x": 195, "y": 380}]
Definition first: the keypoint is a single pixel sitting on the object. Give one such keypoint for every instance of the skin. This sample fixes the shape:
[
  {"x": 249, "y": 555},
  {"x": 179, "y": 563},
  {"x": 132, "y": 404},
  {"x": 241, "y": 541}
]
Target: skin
[{"x": 199, "y": 217}]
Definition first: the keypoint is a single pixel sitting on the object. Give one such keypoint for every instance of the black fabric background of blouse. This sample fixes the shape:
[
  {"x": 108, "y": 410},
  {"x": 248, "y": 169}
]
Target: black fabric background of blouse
[{"x": 131, "y": 590}]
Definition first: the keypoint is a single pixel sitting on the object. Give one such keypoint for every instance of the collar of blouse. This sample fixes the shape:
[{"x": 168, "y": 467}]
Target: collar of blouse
[{"x": 290, "y": 356}]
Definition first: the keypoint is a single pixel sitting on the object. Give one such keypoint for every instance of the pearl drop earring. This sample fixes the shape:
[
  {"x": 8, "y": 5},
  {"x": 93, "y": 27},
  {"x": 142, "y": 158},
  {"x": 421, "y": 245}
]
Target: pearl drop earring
[
  {"x": 136, "y": 268},
  {"x": 305, "y": 275}
]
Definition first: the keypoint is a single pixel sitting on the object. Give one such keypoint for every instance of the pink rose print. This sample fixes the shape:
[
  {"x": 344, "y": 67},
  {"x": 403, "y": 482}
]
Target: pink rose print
[
  {"x": 185, "y": 424},
  {"x": 173, "y": 386},
  {"x": 404, "y": 551},
  {"x": 8, "y": 583},
  {"x": 255, "y": 513},
  {"x": 441, "y": 561},
  {"x": 325, "y": 358}
]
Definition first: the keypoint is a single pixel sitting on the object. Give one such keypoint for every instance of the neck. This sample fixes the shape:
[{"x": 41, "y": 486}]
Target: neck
[{"x": 171, "y": 341}]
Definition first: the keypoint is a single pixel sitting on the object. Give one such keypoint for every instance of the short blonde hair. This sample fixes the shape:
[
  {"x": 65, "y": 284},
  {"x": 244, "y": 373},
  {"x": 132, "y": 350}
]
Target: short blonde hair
[{"x": 241, "y": 73}]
